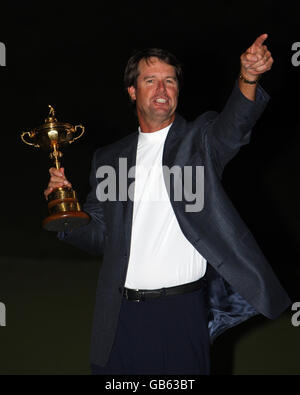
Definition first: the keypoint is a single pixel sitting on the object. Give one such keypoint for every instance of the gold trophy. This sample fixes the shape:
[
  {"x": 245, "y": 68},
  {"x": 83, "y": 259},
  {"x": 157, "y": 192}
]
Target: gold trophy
[{"x": 64, "y": 210}]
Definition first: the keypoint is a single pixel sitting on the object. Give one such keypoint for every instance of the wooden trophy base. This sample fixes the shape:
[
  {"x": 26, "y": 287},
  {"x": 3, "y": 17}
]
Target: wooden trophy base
[
  {"x": 65, "y": 221},
  {"x": 64, "y": 210}
]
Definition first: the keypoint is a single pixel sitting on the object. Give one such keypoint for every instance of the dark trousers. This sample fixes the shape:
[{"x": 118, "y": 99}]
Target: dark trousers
[{"x": 167, "y": 335}]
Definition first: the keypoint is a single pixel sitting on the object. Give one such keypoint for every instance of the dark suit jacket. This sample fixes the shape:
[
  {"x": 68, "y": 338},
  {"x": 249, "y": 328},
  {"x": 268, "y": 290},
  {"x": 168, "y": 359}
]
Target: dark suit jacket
[{"x": 240, "y": 282}]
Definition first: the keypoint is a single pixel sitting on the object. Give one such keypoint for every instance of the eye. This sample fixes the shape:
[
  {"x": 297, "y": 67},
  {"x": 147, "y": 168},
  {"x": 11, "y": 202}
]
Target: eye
[
  {"x": 149, "y": 81},
  {"x": 171, "y": 81}
]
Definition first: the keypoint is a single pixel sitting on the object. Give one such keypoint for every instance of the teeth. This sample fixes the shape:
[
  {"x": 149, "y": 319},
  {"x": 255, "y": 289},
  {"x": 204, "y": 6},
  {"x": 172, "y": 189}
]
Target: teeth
[{"x": 161, "y": 100}]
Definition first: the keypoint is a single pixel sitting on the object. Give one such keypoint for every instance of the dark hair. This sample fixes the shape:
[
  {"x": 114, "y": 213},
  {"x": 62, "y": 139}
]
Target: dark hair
[{"x": 132, "y": 72}]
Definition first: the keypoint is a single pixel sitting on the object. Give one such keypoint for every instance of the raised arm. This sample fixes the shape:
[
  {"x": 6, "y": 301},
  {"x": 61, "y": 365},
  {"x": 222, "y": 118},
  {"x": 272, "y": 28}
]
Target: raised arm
[{"x": 232, "y": 128}]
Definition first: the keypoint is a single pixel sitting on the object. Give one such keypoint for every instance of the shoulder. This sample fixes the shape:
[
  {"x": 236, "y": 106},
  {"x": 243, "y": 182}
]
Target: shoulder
[
  {"x": 200, "y": 121},
  {"x": 196, "y": 127},
  {"x": 204, "y": 119},
  {"x": 113, "y": 148}
]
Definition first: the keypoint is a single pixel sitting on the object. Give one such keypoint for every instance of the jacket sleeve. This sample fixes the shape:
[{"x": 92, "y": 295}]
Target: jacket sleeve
[
  {"x": 90, "y": 237},
  {"x": 231, "y": 129}
]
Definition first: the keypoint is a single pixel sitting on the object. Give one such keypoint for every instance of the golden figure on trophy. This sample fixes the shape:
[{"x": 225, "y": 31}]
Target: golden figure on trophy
[{"x": 64, "y": 209}]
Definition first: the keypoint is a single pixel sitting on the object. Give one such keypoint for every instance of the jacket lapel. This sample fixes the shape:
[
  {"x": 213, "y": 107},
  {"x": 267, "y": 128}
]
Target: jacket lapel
[
  {"x": 128, "y": 155},
  {"x": 173, "y": 139}
]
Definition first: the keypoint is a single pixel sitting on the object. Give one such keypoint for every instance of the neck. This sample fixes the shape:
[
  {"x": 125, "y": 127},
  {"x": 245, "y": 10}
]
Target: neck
[{"x": 154, "y": 126}]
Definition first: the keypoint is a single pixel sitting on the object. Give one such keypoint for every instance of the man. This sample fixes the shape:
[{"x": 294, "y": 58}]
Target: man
[{"x": 173, "y": 276}]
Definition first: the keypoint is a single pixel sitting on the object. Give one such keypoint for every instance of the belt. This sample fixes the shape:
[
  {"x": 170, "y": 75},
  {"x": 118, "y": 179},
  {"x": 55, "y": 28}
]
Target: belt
[{"x": 137, "y": 295}]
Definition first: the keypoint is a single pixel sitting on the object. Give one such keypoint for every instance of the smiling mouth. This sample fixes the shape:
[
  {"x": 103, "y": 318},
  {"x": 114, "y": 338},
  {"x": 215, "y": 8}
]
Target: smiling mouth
[{"x": 161, "y": 100}]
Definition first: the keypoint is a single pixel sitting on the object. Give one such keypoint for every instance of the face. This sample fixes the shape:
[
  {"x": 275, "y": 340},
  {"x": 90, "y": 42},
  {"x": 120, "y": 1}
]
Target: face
[{"x": 156, "y": 94}]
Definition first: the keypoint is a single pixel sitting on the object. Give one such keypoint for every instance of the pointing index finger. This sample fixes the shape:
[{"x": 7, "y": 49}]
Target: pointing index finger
[{"x": 260, "y": 40}]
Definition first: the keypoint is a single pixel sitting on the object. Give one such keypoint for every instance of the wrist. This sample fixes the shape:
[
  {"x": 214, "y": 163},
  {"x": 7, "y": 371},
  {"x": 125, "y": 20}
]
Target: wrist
[{"x": 248, "y": 78}]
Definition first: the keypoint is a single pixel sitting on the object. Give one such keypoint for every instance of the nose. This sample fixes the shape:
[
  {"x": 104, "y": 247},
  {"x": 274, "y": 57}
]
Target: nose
[{"x": 161, "y": 87}]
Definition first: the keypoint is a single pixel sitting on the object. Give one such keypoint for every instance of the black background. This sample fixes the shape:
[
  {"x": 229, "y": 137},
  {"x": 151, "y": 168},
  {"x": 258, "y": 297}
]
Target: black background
[{"x": 73, "y": 56}]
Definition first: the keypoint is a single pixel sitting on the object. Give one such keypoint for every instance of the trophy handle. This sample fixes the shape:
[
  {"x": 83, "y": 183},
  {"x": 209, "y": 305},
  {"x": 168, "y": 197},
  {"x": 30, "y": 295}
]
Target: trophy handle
[
  {"x": 75, "y": 130},
  {"x": 27, "y": 142}
]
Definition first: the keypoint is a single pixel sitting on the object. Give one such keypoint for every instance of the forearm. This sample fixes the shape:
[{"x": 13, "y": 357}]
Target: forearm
[
  {"x": 89, "y": 238},
  {"x": 232, "y": 128},
  {"x": 240, "y": 114}
]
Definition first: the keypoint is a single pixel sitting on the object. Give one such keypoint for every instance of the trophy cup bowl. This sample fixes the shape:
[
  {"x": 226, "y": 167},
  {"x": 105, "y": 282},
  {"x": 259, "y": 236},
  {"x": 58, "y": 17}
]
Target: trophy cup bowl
[{"x": 64, "y": 209}]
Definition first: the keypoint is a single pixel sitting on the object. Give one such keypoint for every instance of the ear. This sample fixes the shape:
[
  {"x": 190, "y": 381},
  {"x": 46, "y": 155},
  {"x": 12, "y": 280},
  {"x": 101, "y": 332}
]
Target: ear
[{"x": 131, "y": 93}]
